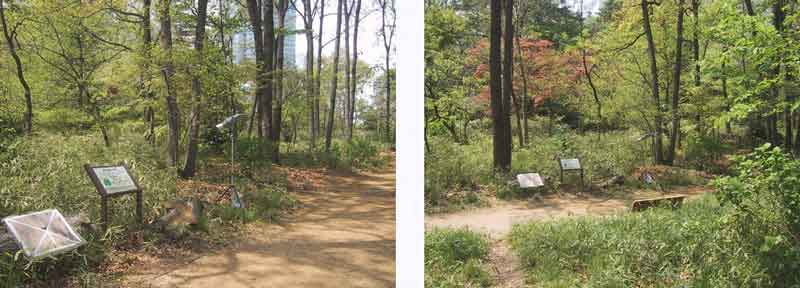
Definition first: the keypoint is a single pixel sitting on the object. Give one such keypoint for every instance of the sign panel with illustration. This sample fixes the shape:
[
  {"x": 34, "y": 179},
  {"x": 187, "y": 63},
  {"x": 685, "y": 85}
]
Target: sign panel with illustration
[
  {"x": 112, "y": 181},
  {"x": 570, "y": 164},
  {"x": 115, "y": 179}
]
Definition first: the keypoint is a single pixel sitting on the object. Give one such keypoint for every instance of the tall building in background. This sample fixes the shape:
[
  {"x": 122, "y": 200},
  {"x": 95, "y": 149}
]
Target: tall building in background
[{"x": 244, "y": 45}]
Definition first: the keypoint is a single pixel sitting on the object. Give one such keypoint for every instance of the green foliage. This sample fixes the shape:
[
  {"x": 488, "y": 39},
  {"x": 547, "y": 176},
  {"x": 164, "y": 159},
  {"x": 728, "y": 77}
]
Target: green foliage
[
  {"x": 454, "y": 258},
  {"x": 46, "y": 172},
  {"x": 763, "y": 195},
  {"x": 689, "y": 247},
  {"x": 453, "y": 167},
  {"x": 702, "y": 150}
]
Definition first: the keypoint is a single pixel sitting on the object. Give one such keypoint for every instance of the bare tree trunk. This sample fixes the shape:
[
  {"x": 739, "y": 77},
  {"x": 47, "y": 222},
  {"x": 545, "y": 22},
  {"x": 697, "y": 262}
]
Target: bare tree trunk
[
  {"x": 168, "y": 69},
  {"x": 508, "y": 78},
  {"x": 651, "y": 53},
  {"x": 10, "y": 37},
  {"x": 318, "y": 80},
  {"x": 254, "y": 13},
  {"x": 145, "y": 88},
  {"x": 500, "y": 147},
  {"x": 197, "y": 92},
  {"x": 388, "y": 36},
  {"x": 278, "y": 112},
  {"x": 524, "y": 99},
  {"x": 332, "y": 106},
  {"x": 308, "y": 20},
  {"x": 676, "y": 87},
  {"x": 268, "y": 27},
  {"x": 354, "y": 72},
  {"x": 348, "y": 9}
]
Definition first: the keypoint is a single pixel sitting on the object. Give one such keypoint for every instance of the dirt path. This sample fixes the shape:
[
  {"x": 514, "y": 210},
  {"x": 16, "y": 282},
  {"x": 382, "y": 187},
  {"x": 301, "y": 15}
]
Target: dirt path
[
  {"x": 498, "y": 220},
  {"x": 343, "y": 236}
]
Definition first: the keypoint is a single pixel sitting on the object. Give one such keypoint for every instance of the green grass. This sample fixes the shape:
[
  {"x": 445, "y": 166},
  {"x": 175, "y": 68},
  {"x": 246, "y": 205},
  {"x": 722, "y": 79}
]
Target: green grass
[
  {"x": 690, "y": 247},
  {"x": 452, "y": 170},
  {"x": 454, "y": 258}
]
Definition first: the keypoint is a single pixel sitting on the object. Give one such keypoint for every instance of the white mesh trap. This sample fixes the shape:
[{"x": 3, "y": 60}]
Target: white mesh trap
[
  {"x": 43, "y": 233},
  {"x": 530, "y": 180}
]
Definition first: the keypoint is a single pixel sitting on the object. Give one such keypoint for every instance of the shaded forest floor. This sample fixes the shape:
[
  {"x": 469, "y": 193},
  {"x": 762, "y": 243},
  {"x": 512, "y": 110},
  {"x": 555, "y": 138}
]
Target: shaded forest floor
[{"x": 341, "y": 234}]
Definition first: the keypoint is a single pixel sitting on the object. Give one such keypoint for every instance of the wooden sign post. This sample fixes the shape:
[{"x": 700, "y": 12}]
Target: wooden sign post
[
  {"x": 570, "y": 165},
  {"x": 111, "y": 181}
]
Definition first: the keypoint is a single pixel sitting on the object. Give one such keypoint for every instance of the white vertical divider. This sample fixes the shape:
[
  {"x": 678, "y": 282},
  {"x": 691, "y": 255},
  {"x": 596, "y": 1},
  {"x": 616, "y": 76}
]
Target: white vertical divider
[{"x": 410, "y": 226}]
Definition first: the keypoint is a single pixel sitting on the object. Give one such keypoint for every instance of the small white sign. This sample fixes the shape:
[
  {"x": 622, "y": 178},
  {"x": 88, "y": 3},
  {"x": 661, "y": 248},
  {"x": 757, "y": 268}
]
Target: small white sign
[
  {"x": 570, "y": 164},
  {"x": 530, "y": 180},
  {"x": 115, "y": 179}
]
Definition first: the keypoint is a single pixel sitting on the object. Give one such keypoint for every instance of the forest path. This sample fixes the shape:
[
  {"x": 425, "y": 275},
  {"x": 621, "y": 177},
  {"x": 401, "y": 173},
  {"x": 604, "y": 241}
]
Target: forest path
[
  {"x": 342, "y": 236},
  {"x": 497, "y": 221}
]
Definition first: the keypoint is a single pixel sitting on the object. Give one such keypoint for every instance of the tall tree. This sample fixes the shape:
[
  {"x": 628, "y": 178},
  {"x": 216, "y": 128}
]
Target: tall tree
[
  {"x": 508, "y": 85},
  {"x": 145, "y": 88},
  {"x": 268, "y": 69},
  {"x": 168, "y": 70},
  {"x": 676, "y": 87},
  {"x": 387, "y": 33},
  {"x": 283, "y": 6},
  {"x": 315, "y": 125},
  {"x": 651, "y": 56},
  {"x": 348, "y": 12},
  {"x": 255, "y": 17},
  {"x": 333, "y": 87},
  {"x": 308, "y": 21},
  {"x": 11, "y": 41},
  {"x": 354, "y": 71},
  {"x": 495, "y": 89},
  {"x": 197, "y": 91}
]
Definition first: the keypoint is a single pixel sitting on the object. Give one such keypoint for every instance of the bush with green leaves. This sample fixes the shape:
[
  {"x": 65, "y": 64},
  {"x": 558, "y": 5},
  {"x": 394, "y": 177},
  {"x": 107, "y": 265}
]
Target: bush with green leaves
[
  {"x": 694, "y": 246},
  {"x": 763, "y": 193},
  {"x": 454, "y": 258}
]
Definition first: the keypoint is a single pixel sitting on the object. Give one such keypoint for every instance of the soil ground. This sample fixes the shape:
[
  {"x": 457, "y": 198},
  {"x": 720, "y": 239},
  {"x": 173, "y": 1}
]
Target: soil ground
[{"x": 342, "y": 236}]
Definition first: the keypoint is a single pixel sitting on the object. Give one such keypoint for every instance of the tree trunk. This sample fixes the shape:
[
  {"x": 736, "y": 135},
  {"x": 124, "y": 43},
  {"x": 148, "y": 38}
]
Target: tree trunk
[
  {"x": 348, "y": 126},
  {"x": 278, "y": 112},
  {"x": 676, "y": 87},
  {"x": 318, "y": 80},
  {"x": 197, "y": 92},
  {"x": 508, "y": 78},
  {"x": 387, "y": 45},
  {"x": 524, "y": 99},
  {"x": 254, "y": 13},
  {"x": 308, "y": 19},
  {"x": 651, "y": 53},
  {"x": 168, "y": 69},
  {"x": 332, "y": 106},
  {"x": 591, "y": 85},
  {"x": 778, "y": 17},
  {"x": 354, "y": 71},
  {"x": 145, "y": 88},
  {"x": 268, "y": 27},
  {"x": 10, "y": 37},
  {"x": 499, "y": 140}
]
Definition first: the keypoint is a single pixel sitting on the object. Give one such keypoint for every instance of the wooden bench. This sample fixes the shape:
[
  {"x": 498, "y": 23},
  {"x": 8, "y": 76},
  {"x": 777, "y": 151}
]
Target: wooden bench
[{"x": 675, "y": 201}]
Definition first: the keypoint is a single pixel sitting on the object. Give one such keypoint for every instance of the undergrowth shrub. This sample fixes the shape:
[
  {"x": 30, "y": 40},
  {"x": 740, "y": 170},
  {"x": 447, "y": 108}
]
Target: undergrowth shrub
[
  {"x": 46, "y": 171},
  {"x": 763, "y": 193},
  {"x": 453, "y": 169},
  {"x": 454, "y": 258},
  {"x": 694, "y": 246}
]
